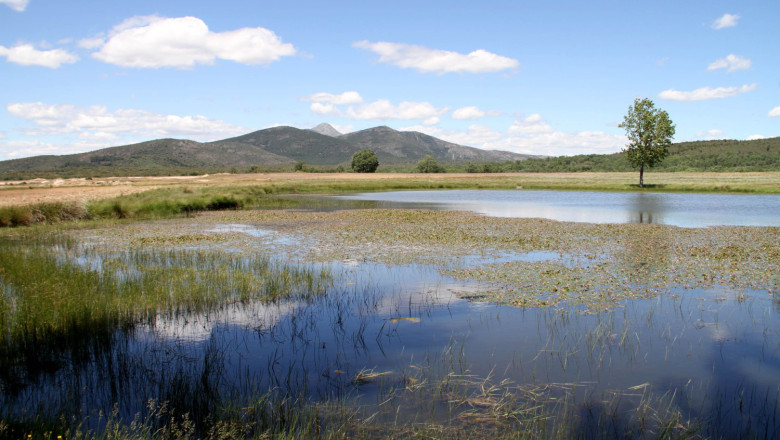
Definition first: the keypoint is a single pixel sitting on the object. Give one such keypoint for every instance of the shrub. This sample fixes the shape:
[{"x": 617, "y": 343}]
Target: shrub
[
  {"x": 365, "y": 161},
  {"x": 429, "y": 165}
]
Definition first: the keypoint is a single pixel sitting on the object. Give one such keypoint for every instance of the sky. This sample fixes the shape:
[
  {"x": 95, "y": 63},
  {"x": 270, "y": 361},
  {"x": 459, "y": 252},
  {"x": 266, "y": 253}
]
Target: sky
[{"x": 547, "y": 78}]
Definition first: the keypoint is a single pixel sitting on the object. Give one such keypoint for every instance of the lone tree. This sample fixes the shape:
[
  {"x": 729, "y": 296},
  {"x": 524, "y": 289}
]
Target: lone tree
[
  {"x": 649, "y": 132},
  {"x": 428, "y": 164},
  {"x": 365, "y": 161}
]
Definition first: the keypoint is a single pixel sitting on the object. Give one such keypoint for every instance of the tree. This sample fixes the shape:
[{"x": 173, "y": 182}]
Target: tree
[
  {"x": 429, "y": 165},
  {"x": 649, "y": 132},
  {"x": 365, "y": 161}
]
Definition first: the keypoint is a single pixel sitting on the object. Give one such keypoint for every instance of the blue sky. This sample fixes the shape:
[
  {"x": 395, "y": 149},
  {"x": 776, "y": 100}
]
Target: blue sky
[{"x": 552, "y": 78}]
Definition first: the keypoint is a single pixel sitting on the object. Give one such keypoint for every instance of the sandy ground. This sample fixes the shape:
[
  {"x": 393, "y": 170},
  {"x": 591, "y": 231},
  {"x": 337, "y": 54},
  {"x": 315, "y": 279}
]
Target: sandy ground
[{"x": 82, "y": 190}]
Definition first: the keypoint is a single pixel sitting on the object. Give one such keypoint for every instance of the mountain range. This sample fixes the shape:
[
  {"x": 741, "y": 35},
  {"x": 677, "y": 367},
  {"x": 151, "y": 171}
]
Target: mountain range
[{"x": 322, "y": 145}]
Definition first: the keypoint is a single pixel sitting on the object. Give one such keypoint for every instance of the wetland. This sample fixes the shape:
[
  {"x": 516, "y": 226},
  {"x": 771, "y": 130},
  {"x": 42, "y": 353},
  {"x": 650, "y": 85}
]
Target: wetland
[{"x": 369, "y": 319}]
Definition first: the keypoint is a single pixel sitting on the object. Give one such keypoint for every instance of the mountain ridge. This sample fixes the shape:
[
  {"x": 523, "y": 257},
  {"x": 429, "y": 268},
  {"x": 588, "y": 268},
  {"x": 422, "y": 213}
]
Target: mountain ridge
[{"x": 270, "y": 147}]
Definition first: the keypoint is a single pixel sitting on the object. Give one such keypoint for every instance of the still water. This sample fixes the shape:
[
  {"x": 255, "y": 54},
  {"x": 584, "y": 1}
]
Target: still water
[
  {"x": 686, "y": 210},
  {"x": 711, "y": 354}
]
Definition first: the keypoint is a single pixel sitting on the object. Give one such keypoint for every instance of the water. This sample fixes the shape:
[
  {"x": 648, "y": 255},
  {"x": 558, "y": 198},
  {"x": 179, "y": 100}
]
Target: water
[
  {"x": 713, "y": 353},
  {"x": 686, "y": 210}
]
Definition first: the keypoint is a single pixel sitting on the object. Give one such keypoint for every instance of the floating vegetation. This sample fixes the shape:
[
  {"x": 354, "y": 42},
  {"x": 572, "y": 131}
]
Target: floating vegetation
[
  {"x": 367, "y": 376},
  {"x": 594, "y": 265},
  {"x": 404, "y": 319}
]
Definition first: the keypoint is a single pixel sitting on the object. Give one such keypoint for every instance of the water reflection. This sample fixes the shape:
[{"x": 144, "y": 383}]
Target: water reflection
[
  {"x": 686, "y": 210},
  {"x": 647, "y": 208},
  {"x": 711, "y": 352}
]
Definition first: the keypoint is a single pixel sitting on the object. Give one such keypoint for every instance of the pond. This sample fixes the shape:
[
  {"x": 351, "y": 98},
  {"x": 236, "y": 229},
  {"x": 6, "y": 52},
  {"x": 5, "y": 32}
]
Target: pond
[
  {"x": 409, "y": 322},
  {"x": 686, "y": 210}
]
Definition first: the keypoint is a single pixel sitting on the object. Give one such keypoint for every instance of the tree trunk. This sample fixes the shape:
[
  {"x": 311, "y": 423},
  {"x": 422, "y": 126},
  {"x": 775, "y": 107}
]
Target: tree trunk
[{"x": 642, "y": 176}]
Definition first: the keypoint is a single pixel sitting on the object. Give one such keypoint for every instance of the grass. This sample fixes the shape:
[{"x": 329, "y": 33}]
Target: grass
[{"x": 244, "y": 192}]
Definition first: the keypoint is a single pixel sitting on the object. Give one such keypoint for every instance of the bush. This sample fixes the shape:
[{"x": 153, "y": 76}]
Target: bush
[
  {"x": 429, "y": 165},
  {"x": 365, "y": 161}
]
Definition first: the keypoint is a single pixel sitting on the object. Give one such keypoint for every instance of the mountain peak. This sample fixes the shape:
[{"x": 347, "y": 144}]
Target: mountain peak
[{"x": 326, "y": 129}]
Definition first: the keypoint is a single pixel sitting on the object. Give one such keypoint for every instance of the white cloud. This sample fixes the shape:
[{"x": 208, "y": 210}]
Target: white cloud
[
  {"x": 97, "y": 122},
  {"x": 427, "y": 60},
  {"x": 381, "y": 109},
  {"x": 324, "y": 109},
  {"x": 710, "y": 134},
  {"x": 705, "y": 93},
  {"x": 16, "y": 5},
  {"x": 755, "y": 137},
  {"x": 344, "y": 129},
  {"x": 470, "y": 112},
  {"x": 19, "y": 149},
  {"x": 345, "y": 98},
  {"x": 384, "y": 109},
  {"x": 727, "y": 20},
  {"x": 153, "y": 42},
  {"x": 532, "y": 125},
  {"x": 546, "y": 142},
  {"x": 28, "y": 55},
  {"x": 91, "y": 43},
  {"x": 774, "y": 113},
  {"x": 730, "y": 63}
]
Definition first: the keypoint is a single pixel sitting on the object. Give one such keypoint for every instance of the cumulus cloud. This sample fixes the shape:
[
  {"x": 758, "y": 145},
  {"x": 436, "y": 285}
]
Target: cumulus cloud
[
  {"x": 324, "y": 109},
  {"x": 705, "y": 93},
  {"x": 774, "y": 113},
  {"x": 349, "y": 105},
  {"x": 472, "y": 112},
  {"x": 727, "y": 20},
  {"x": 345, "y": 98},
  {"x": 533, "y": 124},
  {"x": 542, "y": 139},
  {"x": 97, "y": 122},
  {"x": 730, "y": 63},
  {"x": 383, "y": 109},
  {"x": 20, "y": 149},
  {"x": 28, "y": 55},
  {"x": 153, "y": 42},
  {"x": 755, "y": 137},
  {"x": 16, "y": 5},
  {"x": 427, "y": 60}
]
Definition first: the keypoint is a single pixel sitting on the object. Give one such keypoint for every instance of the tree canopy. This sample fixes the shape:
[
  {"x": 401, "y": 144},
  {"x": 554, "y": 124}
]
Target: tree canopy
[
  {"x": 649, "y": 131},
  {"x": 365, "y": 161},
  {"x": 428, "y": 164}
]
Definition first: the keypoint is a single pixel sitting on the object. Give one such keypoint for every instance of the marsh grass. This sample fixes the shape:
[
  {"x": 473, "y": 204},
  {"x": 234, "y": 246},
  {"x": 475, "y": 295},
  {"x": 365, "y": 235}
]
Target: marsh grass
[
  {"x": 63, "y": 305},
  {"x": 11, "y": 216}
]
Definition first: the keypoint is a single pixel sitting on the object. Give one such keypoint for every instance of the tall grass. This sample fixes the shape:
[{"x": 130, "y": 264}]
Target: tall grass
[{"x": 41, "y": 213}]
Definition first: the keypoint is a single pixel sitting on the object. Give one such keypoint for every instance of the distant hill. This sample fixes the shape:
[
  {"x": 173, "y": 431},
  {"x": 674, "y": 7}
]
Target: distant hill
[
  {"x": 326, "y": 129},
  {"x": 272, "y": 147},
  {"x": 719, "y": 155},
  {"x": 404, "y": 147}
]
